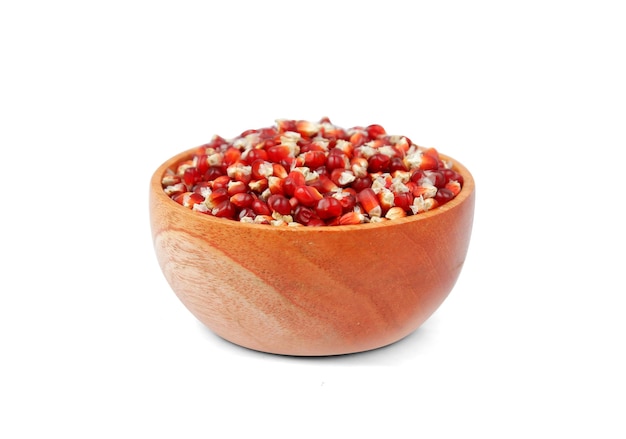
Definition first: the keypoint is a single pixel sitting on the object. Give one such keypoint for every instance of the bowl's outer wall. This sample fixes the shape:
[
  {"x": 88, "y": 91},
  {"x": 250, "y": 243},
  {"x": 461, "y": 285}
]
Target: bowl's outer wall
[{"x": 311, "y": 291}]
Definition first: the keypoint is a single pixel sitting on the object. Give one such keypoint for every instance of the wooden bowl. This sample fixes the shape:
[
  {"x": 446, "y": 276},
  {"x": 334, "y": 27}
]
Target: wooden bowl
[{"x": 311, "y": 290}]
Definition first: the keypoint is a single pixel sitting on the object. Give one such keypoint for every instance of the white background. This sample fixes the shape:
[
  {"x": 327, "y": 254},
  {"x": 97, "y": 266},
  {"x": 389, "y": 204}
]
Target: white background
[{"x": 530, "y": 96}]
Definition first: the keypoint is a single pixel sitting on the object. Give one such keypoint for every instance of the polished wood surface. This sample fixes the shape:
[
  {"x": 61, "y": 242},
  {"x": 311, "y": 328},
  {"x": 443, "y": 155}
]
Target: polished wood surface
[{"x": 311, "y": 290}]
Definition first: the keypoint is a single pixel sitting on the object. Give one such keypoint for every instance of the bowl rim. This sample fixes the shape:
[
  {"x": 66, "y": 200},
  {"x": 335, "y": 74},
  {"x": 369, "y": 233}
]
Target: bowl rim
[{"x": 156, "y": 190}]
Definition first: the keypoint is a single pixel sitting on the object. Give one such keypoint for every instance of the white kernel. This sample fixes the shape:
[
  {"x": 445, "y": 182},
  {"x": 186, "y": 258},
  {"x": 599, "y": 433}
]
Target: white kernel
[
  {"x": 387, "y": 197},
  {"x": 311, "y": 177},
  {"x": 413, "y": 160},
  {"x": 346, "y": 178},
  {"x": 387, "y": 150},
  {"x": 215, "y": 159},
  {"x": 266, "y": 169},
  {"x": 367, "y": 151},
  {"x": 180, "y": 187},
  {"x": 398, "y": 186},
  {"x": 205, "y": 192},
  {"x": 421, "y": 204},
  {"x": 379, "y": 183},
  {"x": 431, "y": 191},
  {"x": 233, "y": 170}
]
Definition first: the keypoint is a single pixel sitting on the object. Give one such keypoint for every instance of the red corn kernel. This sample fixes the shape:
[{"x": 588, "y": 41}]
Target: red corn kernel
[
  {"x": 236, "y": 187},
  {"x": 307, "y": 195},
  {"x": 403, "y": 200},
  {"x": 181, "y": 198},
  {"x": 386, "y": 200},
  {"x": 346, "y": 199},
  {"x": 314, "y": 159},
  {"x": 444, "y": 195},
  {"x": 410, "y": 186},
  {"x": 454, "y": 186},
  {"x": 258, "y": 186},
  {"x": 212, "y": 173},
  {"x": 225, "y": 209},
  {"x": 247, "y": 132},
  {"x": 231, "y": 155},
  {"x": 275, "y": 185},
  {"x": 397, "y": 164},
  {"x": 201, "y": 163},
  {"x": 417, "y": 175},
  {"x": 344, "y": 146},
  {"x": 316, "y": 222},
  {"x": 317, "y": 145},
  {"x": 195, "y": 198},
  {"x": 307, "y": 128},
  {"x": 246, "y": 212},
  {"x": 452, "y": 175},
  {"x": 189, "y": 199},
  {"x": 374, "y": 131},
  {"x": 279, "y": 153},
  {"x": 432, "y": 152},
  {"x": 304, "y": 215},
  {"x": 242, "y": 199},
  {"x": 362, "y": 183},
  {"x": 351, "y": 218},
  {"x": 293, "y": 180},
  {"x": 328, "y": 207},
  {"x": 332, "y": 132},
  {"x": 217, "y": 196},
  {"x": 256, "y": 154},
  {"x": 240, "y": 172},
  {"x": 429, "y": 163},
  {"x": 342, "y": 177},
  {"x": 182, "y": 166},
  {"x": 268, "y": 143},
  {"x": 379, "y": 163},
  {"x": 369, "y": 200},
  {"x": 279, "y": 170},
  {"x": 260, "y": 207},
  {"x": 221, "y": 182},
  {"x": 279, "y": 203},
  {"x": 191, "y": 176},
  {"x": 358, "y": 138},
  {"x": 359, "y": 166},
  {"x": 324, "y": 184},
  {"x": 202, "y": 187},
  {"x": 436, "y": 177},
  {"x": 337, "y": 160},
  {"x": 261, "y": 169},
  {"x": 268, "y": 133},
  {"x": 402, "y": 145},
  {"x": 285, "y": 125},
  {"x": 426, "y": 191},
  {"x": 216, "y": 142}
]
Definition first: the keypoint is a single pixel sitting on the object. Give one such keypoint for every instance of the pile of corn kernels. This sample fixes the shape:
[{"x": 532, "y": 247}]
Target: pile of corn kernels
[{"x": 302, "y": 173}]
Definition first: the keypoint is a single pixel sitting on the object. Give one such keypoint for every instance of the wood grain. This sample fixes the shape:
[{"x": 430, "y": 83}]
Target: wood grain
[{"x": 311, "y": 291}]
